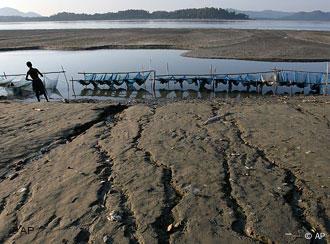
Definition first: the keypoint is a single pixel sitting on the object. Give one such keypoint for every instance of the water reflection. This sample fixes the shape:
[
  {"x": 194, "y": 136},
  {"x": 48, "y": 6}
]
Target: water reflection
[
  {"x": 19, "y": 93},
  {"x": 141, "y": 94},
  {"x": 116, "y": 93},
  {"x": 121, "y": 93}
]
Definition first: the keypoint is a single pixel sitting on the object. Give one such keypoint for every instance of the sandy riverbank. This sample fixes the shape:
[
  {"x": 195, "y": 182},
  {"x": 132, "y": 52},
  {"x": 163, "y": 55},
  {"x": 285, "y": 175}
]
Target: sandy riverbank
[
  {"x": 103, "y": 173},
  {"x": 269, "y": 45}
]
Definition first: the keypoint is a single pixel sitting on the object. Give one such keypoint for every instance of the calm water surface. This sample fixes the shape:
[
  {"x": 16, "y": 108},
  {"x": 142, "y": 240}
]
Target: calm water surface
[
  {"x": 163, "y": 61},
  {"x": 225, "y": 24}
]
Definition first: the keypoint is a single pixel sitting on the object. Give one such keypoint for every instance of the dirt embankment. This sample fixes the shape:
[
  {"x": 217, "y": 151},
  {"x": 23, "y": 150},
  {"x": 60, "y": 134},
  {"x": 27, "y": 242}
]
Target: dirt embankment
[
  {"x": 167, "y": 173},
  {"x": 270, "y": 45}
]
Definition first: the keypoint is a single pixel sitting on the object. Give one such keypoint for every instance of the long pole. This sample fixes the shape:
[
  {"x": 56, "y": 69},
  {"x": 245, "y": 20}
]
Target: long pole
[
  {"x": 74, "y": 92},
  {"x": 327, "y": 79},
  {"x": 168, "y": 73},
  {"x": 67, "y": 82},
  {"x": 17, "y": 75},
  {"x": 154, "y": 83},
  {"x": 153, "y": 80},
  {"x": 213, "y": 80},
  {"x": 114, "y": 73}
]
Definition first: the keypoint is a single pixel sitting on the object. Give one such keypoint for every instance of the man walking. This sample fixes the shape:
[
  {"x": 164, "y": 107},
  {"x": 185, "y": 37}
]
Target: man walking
[{"x": 37, "y": 84}]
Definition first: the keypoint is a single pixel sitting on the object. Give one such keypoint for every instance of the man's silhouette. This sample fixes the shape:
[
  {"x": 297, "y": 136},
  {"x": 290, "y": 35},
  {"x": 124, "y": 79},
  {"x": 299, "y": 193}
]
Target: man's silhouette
[{"x": 37, "y": 85}]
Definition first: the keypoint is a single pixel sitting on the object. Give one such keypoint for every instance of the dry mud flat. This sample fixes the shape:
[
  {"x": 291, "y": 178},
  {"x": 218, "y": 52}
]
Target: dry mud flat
[
  {"x": 258, "y": 172},
  {"x": 270, "y": 45}
]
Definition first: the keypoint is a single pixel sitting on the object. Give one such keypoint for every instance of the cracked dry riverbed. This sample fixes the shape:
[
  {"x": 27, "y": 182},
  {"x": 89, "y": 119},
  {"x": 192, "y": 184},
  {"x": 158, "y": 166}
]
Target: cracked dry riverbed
[{"x": 109, "y": 173}]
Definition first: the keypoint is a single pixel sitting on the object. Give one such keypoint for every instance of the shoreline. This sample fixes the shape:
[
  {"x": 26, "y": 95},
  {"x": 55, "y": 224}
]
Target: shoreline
[
  {"x": 253, "y": 45},
  {"x": 166, "y": 20},
  {"x": 163, "y": 47}
]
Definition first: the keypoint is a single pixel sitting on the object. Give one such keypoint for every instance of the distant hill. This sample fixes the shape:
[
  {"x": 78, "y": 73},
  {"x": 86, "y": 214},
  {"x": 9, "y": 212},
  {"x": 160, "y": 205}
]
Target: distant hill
[
  {"x": 15, "y": 12},
  {"x": 281, "y": 15},
  {"x": 201, "y": 13},
  {"x": 265, "y": 14},
  {"x": 315, "y": 15},
  {"x": 11, "y": 14}
]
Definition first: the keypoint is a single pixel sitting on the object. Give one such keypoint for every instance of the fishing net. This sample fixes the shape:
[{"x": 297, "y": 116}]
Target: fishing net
[
  {"x": 23, "y": 84},
  {"x": 3, "y": 92},
  {"x": 50, "y": 84},
  {"x": 115, "y": 79},
  {"x": 4, "y": 82}
]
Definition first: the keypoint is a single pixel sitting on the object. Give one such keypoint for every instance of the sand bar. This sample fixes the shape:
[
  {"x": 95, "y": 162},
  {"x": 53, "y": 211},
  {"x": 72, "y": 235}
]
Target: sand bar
[{"x": 268, "y": 45}]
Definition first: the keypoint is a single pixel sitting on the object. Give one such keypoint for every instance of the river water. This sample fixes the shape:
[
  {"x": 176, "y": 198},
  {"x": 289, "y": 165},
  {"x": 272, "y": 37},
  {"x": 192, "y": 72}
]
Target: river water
[
  {"x": 162, "y": 61},
  {"x": 212, "y": 24}
]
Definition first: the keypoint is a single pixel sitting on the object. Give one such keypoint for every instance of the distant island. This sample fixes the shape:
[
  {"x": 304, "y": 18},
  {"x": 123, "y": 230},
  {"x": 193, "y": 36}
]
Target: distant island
[
  {"x": 282, "y": 15},
  {"x": 264, "y": 14},
  {"x": 14, "y": 12},
  {"x": 315, "y": 15},
  {"x": 201, "y": 13},
  {"x": 13, "y": 15}
]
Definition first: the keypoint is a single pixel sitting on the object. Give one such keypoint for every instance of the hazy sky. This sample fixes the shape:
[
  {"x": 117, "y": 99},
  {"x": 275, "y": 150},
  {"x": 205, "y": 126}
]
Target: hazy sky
[{"x": 47, "y": 7}]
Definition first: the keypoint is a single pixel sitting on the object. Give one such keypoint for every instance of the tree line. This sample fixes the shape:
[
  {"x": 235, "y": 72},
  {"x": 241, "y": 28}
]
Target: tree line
[{"x": 201, "y": 13}]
